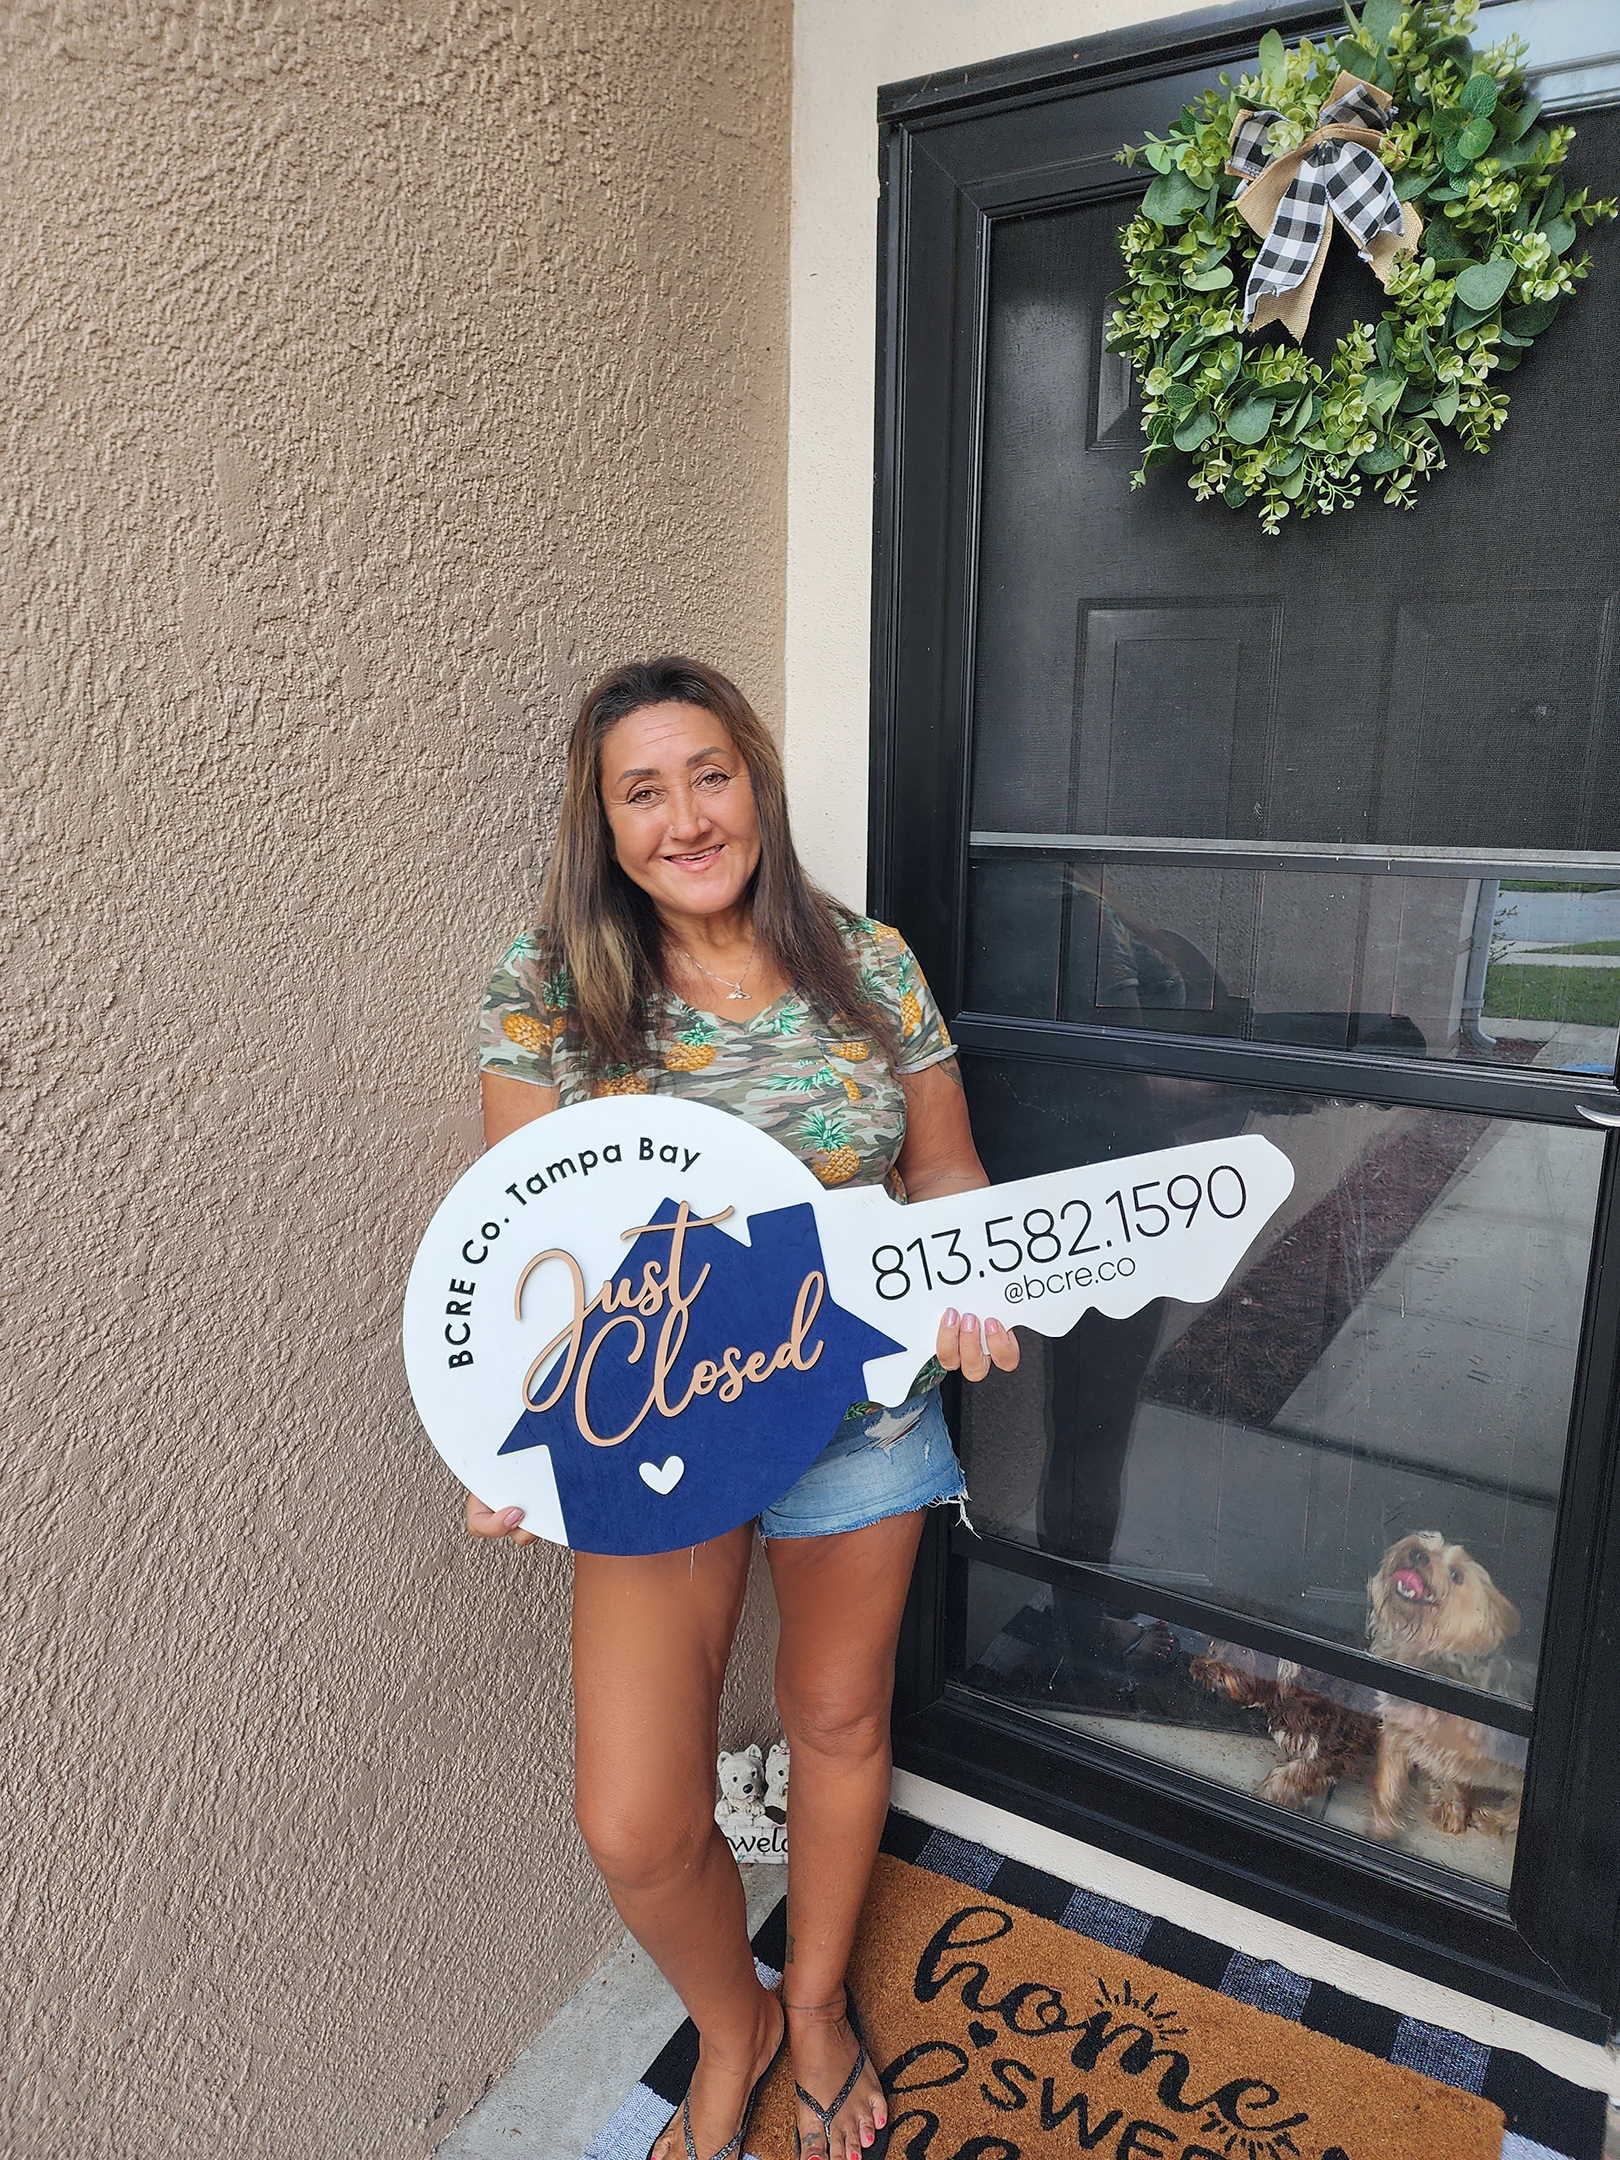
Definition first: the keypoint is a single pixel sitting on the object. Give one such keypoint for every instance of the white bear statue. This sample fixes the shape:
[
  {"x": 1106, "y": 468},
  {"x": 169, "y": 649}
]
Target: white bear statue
[
  {"x": 742, "y": 1784},
  {"x": 776, "y": 1782},
  {"x": 745, "y": 1786}
]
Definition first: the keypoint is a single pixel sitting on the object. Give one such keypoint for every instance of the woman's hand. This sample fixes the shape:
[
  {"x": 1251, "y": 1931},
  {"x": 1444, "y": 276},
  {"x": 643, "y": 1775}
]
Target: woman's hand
[
  {"x": 939, "y": 1157},
  {"x": 960, "y": 1346},
  {"x": 496, "y": 1522}
]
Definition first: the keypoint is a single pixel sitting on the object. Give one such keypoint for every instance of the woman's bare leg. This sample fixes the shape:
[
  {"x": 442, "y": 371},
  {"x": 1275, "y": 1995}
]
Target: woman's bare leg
[
  {"x": 651, "y": 1638},
  {"x": 841, "y": 1599}
]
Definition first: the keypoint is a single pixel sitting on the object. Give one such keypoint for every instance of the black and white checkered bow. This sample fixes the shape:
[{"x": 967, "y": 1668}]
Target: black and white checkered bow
[{"x": 1343, "y": 178}]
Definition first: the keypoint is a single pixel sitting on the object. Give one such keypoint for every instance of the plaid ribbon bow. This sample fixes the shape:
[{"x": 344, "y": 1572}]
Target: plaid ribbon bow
[{"x": 1291, "y": 200}]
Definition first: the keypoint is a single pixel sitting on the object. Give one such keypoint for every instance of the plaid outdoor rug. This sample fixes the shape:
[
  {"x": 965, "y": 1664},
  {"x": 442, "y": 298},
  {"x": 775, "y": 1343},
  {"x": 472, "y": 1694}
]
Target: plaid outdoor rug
[{"x": 1547, "y": 2117}]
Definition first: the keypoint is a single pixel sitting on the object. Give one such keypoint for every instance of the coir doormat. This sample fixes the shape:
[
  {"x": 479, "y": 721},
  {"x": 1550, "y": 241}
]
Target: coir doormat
[
  {"x": 1547, "y": 2117},
  {"x": 1009, "y": 2037}
]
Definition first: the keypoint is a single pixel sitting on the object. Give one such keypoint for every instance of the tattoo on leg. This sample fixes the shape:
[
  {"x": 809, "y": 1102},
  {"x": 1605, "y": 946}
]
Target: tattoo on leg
[{"x": 790, "y": 1950}]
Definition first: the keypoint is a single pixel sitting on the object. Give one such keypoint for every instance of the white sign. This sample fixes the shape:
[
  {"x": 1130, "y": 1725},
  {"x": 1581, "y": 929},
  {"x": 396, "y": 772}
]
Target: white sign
[{"x": 641, "y": 1319}]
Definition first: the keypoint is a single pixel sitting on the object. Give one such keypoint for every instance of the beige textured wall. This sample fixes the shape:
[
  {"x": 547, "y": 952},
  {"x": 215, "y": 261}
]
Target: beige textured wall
[{"x": 369, "y": 374}]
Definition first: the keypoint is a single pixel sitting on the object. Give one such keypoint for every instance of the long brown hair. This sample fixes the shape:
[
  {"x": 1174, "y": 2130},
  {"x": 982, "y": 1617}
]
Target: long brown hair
[{"x": 605, "y": 930}]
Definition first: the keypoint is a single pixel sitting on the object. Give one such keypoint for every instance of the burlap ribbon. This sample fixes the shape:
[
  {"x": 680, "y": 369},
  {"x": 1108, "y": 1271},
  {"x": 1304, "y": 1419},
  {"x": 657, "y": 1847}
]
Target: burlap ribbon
[{"x": 1291, "y": 201}]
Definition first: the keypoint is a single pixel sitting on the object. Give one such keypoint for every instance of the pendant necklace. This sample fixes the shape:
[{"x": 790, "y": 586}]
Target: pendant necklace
[{"x": 735, "y": 993}]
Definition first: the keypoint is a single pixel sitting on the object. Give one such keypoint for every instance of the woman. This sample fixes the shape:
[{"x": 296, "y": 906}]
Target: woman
[{"x": 683, "y": 949}]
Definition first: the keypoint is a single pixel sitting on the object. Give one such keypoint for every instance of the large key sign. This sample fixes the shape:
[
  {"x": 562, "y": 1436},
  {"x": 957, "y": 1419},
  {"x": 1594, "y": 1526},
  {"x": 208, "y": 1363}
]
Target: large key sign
[{"x": 641, "y": 1319}]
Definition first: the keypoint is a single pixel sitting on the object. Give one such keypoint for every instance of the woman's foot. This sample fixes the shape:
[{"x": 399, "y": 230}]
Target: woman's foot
[
  {"x": 717, "y": 2098},
  {"x": 825, "y": 2051}
]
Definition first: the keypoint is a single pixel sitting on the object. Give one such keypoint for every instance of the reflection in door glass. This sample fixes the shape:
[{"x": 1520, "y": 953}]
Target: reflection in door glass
[
  {"x": 1369, "y": 1761},
  {"x": 1553, "y": 973},
  {"x": 1511, "y": 972},
  {"x": 1362, "y": 1439}
]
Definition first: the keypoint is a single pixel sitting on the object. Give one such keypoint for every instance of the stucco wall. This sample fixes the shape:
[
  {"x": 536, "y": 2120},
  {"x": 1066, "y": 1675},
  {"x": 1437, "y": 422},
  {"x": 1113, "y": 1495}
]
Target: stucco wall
[{"x": 371, "y": 374}]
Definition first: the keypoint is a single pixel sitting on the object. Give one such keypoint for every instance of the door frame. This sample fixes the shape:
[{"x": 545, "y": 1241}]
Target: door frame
[{"x": 1548, "y": 1948}]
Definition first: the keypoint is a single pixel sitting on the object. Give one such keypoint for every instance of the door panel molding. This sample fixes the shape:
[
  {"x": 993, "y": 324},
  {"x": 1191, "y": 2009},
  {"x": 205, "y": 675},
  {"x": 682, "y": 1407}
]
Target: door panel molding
[{"x": 1126, "y": 674}]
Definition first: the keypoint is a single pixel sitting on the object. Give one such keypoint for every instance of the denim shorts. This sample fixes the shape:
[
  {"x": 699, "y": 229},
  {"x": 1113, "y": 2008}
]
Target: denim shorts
[{"x": 885, "y": 1464}]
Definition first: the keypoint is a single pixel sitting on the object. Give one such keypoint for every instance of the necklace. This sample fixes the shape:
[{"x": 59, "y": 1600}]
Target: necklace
[{"x": 735, "y": 993}]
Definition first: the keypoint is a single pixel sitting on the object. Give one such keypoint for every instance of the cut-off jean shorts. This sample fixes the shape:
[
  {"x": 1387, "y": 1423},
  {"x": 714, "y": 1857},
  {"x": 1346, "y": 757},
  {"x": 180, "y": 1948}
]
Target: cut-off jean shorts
[{"x": 873, "y": 1467}]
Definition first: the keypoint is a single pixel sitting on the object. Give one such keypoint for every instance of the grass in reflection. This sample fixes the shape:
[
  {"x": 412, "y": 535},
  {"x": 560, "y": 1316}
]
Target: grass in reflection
[{"x": 1582, "y": 997}]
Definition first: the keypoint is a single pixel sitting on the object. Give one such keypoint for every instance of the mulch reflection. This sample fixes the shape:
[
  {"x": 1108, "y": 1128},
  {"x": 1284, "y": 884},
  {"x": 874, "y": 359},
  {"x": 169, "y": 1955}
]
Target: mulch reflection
[{"x": 1245, "y": 1355}]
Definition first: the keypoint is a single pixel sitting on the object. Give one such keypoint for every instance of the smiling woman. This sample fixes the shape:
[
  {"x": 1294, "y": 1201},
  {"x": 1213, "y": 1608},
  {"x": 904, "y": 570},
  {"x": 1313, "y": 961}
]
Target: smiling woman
[{"x": 682, "y": 950}]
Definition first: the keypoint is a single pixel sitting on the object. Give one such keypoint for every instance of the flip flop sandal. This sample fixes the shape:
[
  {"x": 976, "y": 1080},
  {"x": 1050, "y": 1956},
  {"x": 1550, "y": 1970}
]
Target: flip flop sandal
[
  {"x": 733, "y": 2147},
  {"x": 828, "y": 2115}
]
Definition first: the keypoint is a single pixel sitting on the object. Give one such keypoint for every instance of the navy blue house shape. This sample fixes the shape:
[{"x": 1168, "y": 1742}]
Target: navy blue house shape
[{"x": 739, "y": 1456}]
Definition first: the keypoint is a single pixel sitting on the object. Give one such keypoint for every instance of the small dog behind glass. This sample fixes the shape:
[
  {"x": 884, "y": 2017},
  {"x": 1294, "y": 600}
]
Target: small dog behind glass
[{"x": 1431, "y": 1606}]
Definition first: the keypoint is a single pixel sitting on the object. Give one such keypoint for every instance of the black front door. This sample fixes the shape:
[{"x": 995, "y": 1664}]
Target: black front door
[{"x": 1200, "y": 832}]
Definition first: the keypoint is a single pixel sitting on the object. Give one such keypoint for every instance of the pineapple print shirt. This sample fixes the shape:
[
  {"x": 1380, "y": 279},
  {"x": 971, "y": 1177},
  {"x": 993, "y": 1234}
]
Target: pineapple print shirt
[{"x": 837, "y": 1104}]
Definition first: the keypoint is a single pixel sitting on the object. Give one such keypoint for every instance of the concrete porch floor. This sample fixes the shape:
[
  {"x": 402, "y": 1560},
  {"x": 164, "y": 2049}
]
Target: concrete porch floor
[{"x": 570, "y": 2080}]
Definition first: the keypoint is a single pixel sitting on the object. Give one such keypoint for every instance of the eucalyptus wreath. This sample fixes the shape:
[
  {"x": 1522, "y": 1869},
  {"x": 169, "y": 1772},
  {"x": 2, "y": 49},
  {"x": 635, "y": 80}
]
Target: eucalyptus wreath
[{"x": 1262, "y": 422}]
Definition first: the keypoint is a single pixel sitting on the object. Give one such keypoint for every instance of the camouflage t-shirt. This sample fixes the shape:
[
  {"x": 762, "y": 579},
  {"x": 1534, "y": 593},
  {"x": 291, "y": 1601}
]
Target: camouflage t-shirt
[{"x": 836, "y": 1103}]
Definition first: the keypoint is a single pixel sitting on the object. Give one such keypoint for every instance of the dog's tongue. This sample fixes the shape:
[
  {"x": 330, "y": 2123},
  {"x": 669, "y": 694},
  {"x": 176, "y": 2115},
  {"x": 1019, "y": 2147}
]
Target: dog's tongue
[{"x": 1410, "y": 1583}]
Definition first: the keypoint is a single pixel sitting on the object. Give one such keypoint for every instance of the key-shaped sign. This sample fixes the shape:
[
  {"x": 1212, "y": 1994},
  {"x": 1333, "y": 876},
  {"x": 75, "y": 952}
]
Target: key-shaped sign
[{"x": 641, "y": 1319}]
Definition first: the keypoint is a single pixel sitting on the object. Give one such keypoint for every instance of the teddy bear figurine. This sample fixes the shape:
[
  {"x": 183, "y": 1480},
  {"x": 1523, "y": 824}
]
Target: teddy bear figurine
[
  {"x": 776, "y": 1782},
  {"x": 752, "y": 1808},
  {"x": 742, "y": 1785}
]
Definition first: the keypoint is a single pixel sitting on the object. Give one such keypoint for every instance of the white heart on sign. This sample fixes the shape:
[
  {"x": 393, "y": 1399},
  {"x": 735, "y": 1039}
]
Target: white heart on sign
[{"x": 663, "y": 1480}]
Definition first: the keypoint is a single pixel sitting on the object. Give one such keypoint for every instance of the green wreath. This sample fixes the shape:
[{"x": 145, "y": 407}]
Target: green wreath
[{"x": 1262, "y": 422}]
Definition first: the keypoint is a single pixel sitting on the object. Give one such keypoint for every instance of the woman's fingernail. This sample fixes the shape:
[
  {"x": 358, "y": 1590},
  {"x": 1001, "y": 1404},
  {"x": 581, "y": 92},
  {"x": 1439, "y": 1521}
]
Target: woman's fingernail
[
  {"x": 970, "y": 1320},
  {"x": 994, "y": 1327},
  {"x": 952, "y": 1318},
  {"x": 512, "y": 1517}
]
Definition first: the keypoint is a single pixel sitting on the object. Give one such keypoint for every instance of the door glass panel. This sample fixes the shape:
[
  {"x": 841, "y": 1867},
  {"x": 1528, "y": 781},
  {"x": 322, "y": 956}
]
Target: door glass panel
[
  {"x": 1362, "y": 1439},
  {"x": 1296, "y": 1739},
  {"x": 1506, "y": 970}
]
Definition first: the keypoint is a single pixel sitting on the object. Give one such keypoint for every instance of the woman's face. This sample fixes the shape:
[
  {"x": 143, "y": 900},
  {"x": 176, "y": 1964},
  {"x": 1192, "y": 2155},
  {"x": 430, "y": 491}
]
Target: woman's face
[{"x": 680, "y": 806}]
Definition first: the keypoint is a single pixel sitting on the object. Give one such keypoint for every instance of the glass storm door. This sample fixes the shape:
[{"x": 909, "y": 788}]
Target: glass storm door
[{"x": 1202, "y": 833}]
